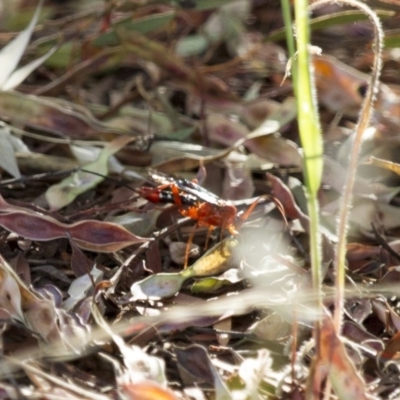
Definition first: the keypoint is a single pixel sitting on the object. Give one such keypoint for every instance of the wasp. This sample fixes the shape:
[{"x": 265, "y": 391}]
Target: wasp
[{"x": 195, "y": 202}]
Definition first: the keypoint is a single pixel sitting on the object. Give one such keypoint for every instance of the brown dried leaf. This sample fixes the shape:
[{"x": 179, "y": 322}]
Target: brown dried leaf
[
  {"x": 285, "y": 197},
  {"x": 80, "y": 264},
  {"x": 238, "y": 183},
  {"x": 48, "y": 115},
  {"x": 338, "y": 85},
  {"x": 255, "y": 112},
  {"x": 277, "y": 149},
  {"x": 358, "y": 251},
  {"x": 385, "y": 313},
  {"x": 266, "y": 141},
  {"x": 37, "y": 313},
  {"x": 104, "y": 237},
  {"x": 139, "y": 366},
  {"x": 272, "y": 327},
  {"x": 147, "y": 391},
  {"x": 195, "y": 366},
  {"x": 340, "y": 88},
  {"x": 41, "y": 316},
  {"x": 10, "y": 296},
  {"x": 90, "y": 235},
  {"x": 358, "y": 334},
  {"x": 343, "y": 376},
  {"x": 392, "y": 349}
]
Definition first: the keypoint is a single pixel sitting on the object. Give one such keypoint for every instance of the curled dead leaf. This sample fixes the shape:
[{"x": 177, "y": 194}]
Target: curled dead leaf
[{"x": 214, "y": 262}]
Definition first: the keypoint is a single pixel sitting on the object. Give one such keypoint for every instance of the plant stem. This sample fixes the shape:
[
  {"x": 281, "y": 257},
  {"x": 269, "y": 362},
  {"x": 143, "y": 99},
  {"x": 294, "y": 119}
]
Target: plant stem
[
  {"x": 287, "y": 17},
  {"x": 363, "y": 123},
  {"x": 310, "y": 138}
]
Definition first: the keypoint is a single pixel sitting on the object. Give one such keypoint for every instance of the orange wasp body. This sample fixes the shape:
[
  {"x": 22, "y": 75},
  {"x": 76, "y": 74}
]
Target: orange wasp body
[{"x": 193, "y": 201}]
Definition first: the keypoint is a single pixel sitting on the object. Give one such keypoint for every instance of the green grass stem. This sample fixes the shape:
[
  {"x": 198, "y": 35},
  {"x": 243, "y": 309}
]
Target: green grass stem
[{"x": 310, "y": 136}]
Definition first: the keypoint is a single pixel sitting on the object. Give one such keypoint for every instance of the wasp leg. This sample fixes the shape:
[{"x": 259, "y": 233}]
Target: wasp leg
[
  {"x": 210, "y": 228},
  {"x": 244, "y": 217},
  {"x": 188, "y": 246},
  {"x": 175, "y": 194}
]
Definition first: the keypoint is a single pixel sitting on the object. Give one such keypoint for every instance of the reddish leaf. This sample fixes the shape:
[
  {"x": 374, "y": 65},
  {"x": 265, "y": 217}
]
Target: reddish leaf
[
  {"x": 338, "y": 85},
  {"x": 292, "y": 211},
  {"x": 385, "y": 313},
  {"x": 358, "y": 334},
  {"x": 80, "y": 264},
  {"x": 285, "y": 197},
  {"x": 194, "y": 361},
  {"x": 392, "y": 349},
  {"x": 89, "y": 234},
  {"x": 343, "y": 376},
  {"x": 105, "y": 237},
  {"x": 147, "y": 391},
  {"x": 37, "y": 313},
  {"x": 195, "y": 366}
]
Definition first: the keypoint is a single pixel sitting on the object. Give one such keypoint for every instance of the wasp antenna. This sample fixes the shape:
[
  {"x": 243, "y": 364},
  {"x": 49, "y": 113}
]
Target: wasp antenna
[
  {"x": 117, "y": 181},
  {"x": 23, "y": 179}
]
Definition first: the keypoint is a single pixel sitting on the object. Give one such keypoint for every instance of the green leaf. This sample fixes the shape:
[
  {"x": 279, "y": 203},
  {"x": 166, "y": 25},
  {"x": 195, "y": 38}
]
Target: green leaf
[
  {"x": 65, "y": 192},
  {"x": 180, "y": 134},
  {"x": 62, "y": 57},
  {"x": 157, "y": 286},
  {"x": 8, "y": 161},
  {"x": 392, "y": 39},
  {"x": 192, "y": 45},
  {"x": 214, "y": 283}
]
